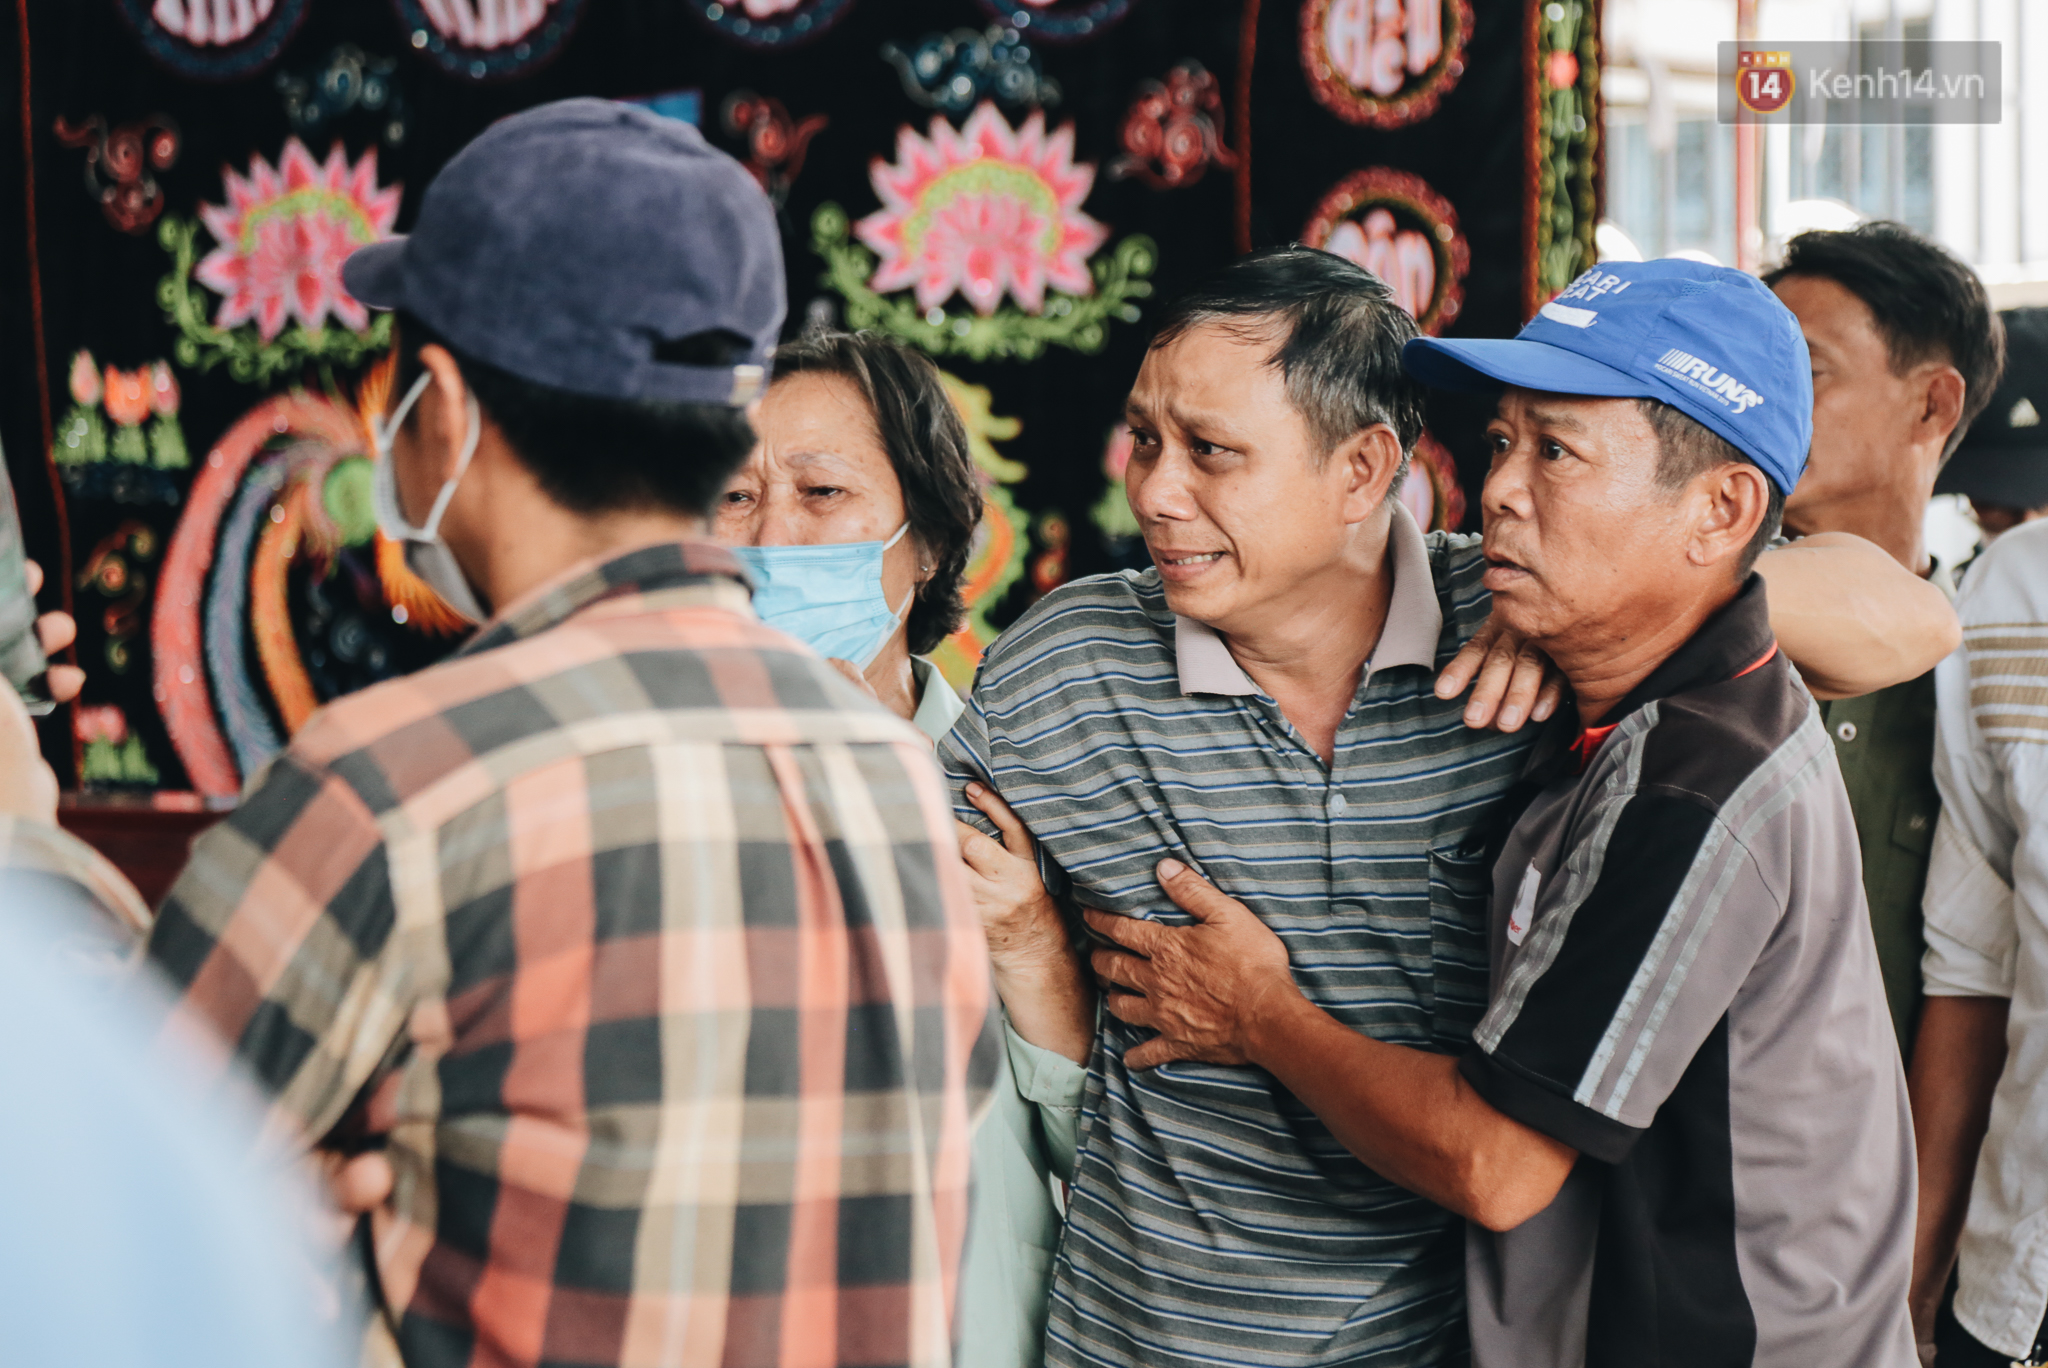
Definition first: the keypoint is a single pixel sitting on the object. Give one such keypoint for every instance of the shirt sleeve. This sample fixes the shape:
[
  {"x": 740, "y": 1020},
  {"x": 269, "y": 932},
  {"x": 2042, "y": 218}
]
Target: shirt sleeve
[
  {"x": 1640, "y": 941},
  {"x": 1053, "y": 1084},
  {"x": 963, "y": 755},
  {"x": 29, "y": 848},
  {"x": 1989, "y": 866},
  {"x": 1972, "y": 939},
  {"x": 275, "y": 939}
]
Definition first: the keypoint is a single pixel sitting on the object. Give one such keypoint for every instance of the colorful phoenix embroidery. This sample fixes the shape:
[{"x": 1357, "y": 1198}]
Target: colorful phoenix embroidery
[
  {"x": 981, "y": 211},
  {"x": 278, "y": 549}
]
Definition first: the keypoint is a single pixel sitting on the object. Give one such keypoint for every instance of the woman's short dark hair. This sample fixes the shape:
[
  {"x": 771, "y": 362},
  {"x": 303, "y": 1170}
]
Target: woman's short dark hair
[
  {"x": 1925, "y": 301},
  {"x": 1338, "y": 334},
  {"x": 596, "y": 455},
  {"x": 927, "y": 445}
]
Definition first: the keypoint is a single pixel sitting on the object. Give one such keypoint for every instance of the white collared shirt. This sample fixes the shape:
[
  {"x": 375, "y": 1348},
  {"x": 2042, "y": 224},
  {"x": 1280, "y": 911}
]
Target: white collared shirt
[
  {"x": 938, "y": 706},
  {"x": 1987, "y": 916}
]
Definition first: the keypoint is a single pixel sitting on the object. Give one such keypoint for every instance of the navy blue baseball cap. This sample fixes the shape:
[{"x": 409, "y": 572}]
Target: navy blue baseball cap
[
  {"x": 1714, "y": 343},
  {"x": 574, "y": 243}
]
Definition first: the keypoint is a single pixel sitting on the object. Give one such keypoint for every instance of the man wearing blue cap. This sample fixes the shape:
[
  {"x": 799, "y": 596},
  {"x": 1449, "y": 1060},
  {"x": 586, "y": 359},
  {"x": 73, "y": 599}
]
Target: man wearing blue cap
[
  {"x": 1680, "y": 1130},
  {"x": 633, "y": 927}
]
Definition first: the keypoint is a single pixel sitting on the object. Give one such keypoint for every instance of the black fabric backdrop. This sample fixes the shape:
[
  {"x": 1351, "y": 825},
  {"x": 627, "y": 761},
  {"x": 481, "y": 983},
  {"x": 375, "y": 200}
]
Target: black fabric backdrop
[{"x": 98, "y": 285}]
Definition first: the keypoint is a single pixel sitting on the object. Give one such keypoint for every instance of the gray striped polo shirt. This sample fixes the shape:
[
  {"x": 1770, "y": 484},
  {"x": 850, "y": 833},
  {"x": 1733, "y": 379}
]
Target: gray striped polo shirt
[{"x": 1214, "y": 1219}]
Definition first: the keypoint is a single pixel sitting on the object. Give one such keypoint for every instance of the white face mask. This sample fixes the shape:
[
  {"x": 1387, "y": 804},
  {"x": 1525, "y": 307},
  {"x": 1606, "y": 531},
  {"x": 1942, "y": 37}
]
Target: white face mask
[{"x": 426, "y": 555}]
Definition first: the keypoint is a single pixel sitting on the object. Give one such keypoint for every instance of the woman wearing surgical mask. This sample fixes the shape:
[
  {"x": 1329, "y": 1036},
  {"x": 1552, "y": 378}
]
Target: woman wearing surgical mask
[
  {"x": 855, "y": 513},
  {"x": 854, "y": 516}
]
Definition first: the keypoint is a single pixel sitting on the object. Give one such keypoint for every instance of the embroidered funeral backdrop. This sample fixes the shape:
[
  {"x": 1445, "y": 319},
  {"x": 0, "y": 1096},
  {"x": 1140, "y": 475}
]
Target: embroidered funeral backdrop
[{"x": 1011, "y": 185}]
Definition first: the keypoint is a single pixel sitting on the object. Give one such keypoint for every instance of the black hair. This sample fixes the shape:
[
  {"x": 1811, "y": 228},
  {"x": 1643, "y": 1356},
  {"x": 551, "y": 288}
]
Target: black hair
[
  {"x": 927, "y": 445},
  {"x": 1926, "y": 302},
  {"x": 1339, "y": 331},
  {"x": 1688, "y": 449},
  {"x": 597, "y": 455}
]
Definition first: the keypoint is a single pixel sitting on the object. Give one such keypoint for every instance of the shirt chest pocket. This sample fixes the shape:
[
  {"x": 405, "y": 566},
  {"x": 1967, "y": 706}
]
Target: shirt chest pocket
[
  {"x": 1459, "y": 886},
  {"x": 1913, "y": 825}
]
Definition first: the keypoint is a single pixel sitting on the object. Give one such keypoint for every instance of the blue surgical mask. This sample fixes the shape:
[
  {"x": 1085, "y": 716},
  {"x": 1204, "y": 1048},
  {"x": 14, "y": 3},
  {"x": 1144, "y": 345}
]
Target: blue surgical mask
[{"x": 828, "y": 597}]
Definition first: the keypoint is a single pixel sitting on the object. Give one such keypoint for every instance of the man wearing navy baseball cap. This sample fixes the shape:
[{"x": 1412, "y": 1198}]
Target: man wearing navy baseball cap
[
  {"x": 1680, "y": 1128},
  {"x": 1688, "y": 1024},
  {"x": 613, "y": 926}
]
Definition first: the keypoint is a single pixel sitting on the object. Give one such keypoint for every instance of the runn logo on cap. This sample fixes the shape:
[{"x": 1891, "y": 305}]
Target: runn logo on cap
[{"x": 1706, "y": 340}]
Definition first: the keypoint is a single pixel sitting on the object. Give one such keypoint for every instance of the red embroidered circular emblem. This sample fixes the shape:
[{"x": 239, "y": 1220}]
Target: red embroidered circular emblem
[
  {"x": 1394, "y": 225},
  {"x": 1383, "y": 63}
]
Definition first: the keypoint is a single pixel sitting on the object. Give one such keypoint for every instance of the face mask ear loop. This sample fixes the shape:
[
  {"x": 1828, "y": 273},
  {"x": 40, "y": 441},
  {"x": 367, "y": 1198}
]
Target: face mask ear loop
[
  {"x": 447, "y": 494},
  {"x": 386, "y": 430},
  {"x": 895, "y": 626},
  {"x": 908, "y": 599}
]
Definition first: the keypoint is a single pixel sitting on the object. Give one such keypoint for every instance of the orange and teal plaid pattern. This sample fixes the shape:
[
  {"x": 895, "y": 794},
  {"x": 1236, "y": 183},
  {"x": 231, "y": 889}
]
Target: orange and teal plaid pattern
[{"x": 642, "y": 937}]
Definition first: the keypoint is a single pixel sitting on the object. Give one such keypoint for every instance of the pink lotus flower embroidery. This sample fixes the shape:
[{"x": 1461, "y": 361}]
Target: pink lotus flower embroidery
[
  {"x": 285, "y": 232},
  {"x": 982, "y": 211}
]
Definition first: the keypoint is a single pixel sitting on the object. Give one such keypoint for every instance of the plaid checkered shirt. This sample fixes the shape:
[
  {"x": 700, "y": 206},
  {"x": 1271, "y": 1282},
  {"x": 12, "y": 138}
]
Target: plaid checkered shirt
[{"x": 641, "y": 936}]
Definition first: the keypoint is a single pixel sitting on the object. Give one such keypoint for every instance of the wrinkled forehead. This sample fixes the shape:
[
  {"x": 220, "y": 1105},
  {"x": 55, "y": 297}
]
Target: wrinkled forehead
[
  {"x": 1217, "y": 365},
  {"x": 1614, "y": 427}
]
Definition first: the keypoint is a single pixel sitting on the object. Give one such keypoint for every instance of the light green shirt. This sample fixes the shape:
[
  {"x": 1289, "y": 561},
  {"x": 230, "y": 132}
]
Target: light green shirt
[{"x": 1027, "y": 1136}]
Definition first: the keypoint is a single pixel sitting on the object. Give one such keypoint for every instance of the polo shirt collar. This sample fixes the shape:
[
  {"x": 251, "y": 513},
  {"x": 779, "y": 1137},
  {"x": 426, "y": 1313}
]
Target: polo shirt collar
[
  {"x": 1415, "y": 623},
  {"x": 1732, "y": 642}
]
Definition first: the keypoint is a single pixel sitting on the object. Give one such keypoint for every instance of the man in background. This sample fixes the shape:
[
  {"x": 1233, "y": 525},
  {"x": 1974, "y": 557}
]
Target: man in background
[
  {"x": 1980, "y": 1070},
  {"x": 1905, "y": 353},
  {"x": 2002, "y": 465},
  {"x": 1978, "y": 1063}
]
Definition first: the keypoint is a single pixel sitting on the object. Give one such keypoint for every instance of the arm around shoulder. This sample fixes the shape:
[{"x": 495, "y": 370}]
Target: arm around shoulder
[{"x": 1852, "y": 618}]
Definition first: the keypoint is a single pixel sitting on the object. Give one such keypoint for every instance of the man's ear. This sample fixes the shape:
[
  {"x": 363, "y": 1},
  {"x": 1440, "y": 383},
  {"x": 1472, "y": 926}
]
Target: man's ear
[
  {"x": 1735, "y": 499},
  {"x": 1942, "y": 407},
  {"x": 442, "y": 414},
  {"x": 1371, "y": 457}
]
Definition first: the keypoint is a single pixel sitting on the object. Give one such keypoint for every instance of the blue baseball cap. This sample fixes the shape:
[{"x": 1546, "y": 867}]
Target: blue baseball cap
[
  {"x": 570, "y": 243},
  {"x": 1714, "y": 343}
]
